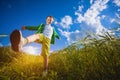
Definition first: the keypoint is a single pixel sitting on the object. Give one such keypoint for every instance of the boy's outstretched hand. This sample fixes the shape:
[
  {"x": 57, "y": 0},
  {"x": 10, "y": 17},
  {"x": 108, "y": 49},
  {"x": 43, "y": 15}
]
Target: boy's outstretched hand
[{"x": 23, "y": 28}]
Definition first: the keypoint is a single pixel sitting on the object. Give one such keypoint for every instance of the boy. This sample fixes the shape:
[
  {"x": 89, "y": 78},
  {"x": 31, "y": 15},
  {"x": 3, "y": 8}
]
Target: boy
[{"x": 45, "y": 35}]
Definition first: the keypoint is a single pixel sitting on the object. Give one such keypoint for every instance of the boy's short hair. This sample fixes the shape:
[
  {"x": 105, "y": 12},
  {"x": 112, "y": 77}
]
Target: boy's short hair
[{"x": 50, "y": 17}]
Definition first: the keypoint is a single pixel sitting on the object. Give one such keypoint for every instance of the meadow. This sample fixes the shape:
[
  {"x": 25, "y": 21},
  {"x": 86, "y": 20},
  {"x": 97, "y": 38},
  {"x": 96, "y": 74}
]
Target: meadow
[{"x": 87, "y": 59}]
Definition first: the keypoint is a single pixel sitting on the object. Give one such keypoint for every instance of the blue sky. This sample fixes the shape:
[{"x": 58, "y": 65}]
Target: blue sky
[{"x": 73, "y": 18}]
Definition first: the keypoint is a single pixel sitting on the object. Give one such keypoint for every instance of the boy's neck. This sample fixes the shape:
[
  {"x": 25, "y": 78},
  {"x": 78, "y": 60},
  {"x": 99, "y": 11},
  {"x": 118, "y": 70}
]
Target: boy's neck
[{"x": 48, "y": 24}]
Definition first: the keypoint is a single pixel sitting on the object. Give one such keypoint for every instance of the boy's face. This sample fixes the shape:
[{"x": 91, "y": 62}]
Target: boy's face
[{"x": 49, "y": 20}]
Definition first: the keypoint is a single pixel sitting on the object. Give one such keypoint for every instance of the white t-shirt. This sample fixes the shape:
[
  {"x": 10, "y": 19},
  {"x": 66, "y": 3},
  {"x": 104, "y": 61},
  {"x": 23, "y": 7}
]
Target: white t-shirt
[{"x": 48, "y": 31}]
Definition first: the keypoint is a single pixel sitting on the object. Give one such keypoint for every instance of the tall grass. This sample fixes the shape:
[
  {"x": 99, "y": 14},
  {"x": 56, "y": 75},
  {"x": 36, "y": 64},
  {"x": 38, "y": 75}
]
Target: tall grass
[
  {"x": 98, "y": 59},
  {"x": 89, "y": 59}
]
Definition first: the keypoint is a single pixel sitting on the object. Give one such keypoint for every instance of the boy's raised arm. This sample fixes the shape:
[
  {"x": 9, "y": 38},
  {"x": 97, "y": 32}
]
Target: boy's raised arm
[{"x": 30, "y": 27}]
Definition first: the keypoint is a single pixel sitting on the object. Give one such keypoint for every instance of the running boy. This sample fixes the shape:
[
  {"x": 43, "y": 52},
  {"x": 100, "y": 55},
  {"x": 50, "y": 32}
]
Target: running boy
[{"x": 45, "y": 35}]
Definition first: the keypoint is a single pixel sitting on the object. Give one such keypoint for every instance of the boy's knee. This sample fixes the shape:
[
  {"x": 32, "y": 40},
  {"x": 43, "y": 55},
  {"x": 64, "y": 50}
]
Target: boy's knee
[
  {"x": 37, "y": 36},
  {"x": 44, "y": 55}
]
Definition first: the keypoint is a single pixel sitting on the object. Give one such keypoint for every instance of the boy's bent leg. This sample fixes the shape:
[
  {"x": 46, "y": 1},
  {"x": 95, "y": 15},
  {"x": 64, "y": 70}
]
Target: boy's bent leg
[
  {"x": 33, "y": 38},
  {"x": 17, "y": 41}
]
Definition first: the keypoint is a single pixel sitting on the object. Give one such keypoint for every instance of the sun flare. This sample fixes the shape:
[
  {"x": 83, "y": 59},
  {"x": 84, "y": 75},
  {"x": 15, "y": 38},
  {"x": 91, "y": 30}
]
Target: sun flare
[{"x": 30, "y": 50}]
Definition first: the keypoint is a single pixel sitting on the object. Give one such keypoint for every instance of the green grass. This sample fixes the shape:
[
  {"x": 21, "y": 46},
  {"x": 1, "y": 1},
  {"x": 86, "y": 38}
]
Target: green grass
[{"x": 97, "y": 59}]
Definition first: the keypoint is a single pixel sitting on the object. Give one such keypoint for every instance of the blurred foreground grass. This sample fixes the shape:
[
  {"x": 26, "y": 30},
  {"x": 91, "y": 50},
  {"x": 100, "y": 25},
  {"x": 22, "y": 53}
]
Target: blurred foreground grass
[{"x": 97, "y": 59}]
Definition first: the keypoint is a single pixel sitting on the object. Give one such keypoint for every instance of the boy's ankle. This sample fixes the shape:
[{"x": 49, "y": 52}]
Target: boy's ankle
[
  {"x": 24, "y": 41},
  {"x": 45, "y": 72}
]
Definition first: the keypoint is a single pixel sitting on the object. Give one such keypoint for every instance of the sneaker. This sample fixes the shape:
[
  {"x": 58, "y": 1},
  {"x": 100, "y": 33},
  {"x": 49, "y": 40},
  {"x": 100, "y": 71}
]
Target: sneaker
[{"x": 15, "y": 39}]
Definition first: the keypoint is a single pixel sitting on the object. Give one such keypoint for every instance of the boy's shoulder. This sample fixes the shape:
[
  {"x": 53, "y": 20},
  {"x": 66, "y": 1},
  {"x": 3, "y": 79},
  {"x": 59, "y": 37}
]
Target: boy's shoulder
[{"x": 42, "y": 24}]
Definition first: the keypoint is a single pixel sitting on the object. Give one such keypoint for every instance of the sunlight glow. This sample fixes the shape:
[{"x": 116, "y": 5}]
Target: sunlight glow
[{"x": 31, "y": 50}]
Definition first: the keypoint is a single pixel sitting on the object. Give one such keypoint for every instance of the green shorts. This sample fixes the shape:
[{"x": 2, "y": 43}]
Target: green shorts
[{"x": 45, "y": 44}]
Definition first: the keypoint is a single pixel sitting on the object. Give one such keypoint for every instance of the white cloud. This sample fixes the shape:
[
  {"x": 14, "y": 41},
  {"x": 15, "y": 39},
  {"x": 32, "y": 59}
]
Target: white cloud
[
  {"x": 80, "y": 18},
  {"x": 91, "y": 16},
  {"x": 66, "y": 21},
  {"x": 66, "y": 34},
  {"x": 118, "y": 21},
  {"x": 55, "y": 22},
  {"x": 91, "y": 21},
  {"x": 103, "y": 16},
  {"x": 118, "y": 16},
  {"x": 80, "y": 8},
  {"x": 118, "y": 10},
  {"x": 118, "y": 29},
  {"x": 91, "y": 1},
  {"x": 117, "y": 2},
  {"x": 112, "y": 20},
  {"x": 71, "y": 36}
]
